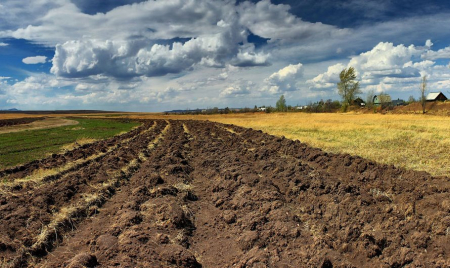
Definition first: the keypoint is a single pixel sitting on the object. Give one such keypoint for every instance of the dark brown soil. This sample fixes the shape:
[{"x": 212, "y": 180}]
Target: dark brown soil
[
  {"x": 19, "y": 121},
  {"x": 193, "y": 194}
]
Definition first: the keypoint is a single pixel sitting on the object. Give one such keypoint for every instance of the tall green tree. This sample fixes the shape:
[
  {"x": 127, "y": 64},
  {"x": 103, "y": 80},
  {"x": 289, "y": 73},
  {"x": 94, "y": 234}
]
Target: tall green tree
[
  {"x": 281, "y": 104},
  {"x": 348, "y": 87}
]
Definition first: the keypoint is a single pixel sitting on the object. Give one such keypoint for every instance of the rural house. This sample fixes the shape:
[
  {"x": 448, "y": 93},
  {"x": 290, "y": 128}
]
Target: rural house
[
  {"x": 382, "y": 99},
  {"x": 398, "y": 102},
  {"x": 436, "y": 96},
  {"x": 359, "y": 102}
]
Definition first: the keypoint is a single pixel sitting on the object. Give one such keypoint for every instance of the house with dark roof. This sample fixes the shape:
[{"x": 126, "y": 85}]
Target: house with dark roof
[
  {"x": 359, "y": 102},
  {"x": 436, "y": 96},
  {"x": 398, "y": 102}
]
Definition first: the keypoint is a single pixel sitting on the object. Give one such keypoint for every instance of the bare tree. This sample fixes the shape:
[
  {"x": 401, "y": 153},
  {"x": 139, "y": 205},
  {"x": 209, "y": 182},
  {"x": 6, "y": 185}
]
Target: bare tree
[
  {"x": 411, "y": 99},
  {"x": 423, "y": 89},
  {"x": 385, "y": 99},
  {"x": 369, "y": 98}
]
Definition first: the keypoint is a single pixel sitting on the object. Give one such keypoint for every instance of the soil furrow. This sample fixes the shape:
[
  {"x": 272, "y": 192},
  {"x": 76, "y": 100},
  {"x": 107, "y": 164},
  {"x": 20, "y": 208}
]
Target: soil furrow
[
  {"x": 74, "y": 190},
  {"x": 202, "y": 194},
  {"x": 79, "y": 153},
  {"x": 141, "y": 224}
]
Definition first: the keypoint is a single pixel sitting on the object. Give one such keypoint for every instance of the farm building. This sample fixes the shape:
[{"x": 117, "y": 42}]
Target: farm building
[
  {"x": 398, "y": 102},
  {"x": 382, "y": 99},
  {"x": 359, "y": 102},
  {"x": 436, "y": 96}
]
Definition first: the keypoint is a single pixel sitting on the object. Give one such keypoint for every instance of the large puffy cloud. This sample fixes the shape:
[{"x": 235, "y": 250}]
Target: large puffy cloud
[
  {"x": 385, "y": 59},
  {"x": 216, "y": 40},
  {"x": 125, "y": 59},
  {"x": 379, "y": 67},
  {"x": 286, "y": 79}
]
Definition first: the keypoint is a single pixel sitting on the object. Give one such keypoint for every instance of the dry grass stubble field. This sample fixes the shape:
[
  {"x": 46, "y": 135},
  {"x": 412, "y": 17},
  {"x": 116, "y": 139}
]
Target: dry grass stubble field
[{"x": 418, "y": 142}]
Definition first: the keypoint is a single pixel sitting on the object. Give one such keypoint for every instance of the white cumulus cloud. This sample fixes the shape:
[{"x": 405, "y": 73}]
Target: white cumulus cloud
[
  {"x": 385, "y": 59},
  {"x": 440, "y": 54},
  {"x": 286, "y": 79},
  {"x": 329, "y": 79},
  {"x": 238, "y": 89},
  {"x": 247, "y": 57},
  {"x": 125, "y": 59},
  {"x": 373, "y": 67},
  {"x": 35, "y": 60}
]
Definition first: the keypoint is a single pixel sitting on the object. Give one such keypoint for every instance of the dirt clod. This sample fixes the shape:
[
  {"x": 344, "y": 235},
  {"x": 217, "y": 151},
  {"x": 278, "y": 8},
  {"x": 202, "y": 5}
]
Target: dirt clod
[{"x": 82, "y": 260}]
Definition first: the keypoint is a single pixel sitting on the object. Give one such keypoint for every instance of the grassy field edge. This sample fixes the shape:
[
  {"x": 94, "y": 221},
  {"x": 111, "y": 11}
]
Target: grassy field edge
[{"x": 25, "y": 146}]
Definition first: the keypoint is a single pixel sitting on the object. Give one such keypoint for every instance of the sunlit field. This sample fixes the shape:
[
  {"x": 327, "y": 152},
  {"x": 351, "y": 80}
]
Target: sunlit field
[{"x": 419, "y": 142}]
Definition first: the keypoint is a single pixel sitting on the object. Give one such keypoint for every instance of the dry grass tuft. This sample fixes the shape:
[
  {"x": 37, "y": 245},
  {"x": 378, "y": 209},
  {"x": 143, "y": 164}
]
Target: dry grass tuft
[
  {"x": 78, "y": 143},
  {"x": 186, "y": 129},
  {"x": 64, "y": 215},
  {"x": 182, "y": 187},
  {"x": 153, "y": 143}
]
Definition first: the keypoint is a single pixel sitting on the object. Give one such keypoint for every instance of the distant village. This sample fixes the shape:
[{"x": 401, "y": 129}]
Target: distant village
[{"x": 381, "y": 101}]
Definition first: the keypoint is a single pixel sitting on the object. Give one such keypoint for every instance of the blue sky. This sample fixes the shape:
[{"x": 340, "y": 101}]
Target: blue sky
[{"x": 134, "y": 55}]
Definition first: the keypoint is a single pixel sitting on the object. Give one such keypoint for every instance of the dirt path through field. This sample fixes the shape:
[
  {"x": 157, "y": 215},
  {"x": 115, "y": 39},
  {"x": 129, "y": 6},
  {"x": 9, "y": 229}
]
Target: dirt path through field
[{"x": 50, "y": 122}]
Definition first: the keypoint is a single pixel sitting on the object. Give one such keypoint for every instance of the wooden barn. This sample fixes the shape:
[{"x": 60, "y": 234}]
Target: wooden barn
[
  {"x": 382, "y": 99},
  {"x": 436, "y": 96}
]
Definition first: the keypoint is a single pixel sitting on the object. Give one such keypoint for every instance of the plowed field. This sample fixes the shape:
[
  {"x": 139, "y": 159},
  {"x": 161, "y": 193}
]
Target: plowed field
[
  {"x": 203, "y": 194},
  {"x": 18, "y": 121}
]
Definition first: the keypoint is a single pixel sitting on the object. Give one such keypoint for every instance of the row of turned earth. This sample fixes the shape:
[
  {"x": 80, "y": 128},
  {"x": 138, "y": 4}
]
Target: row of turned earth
[{"x": 255, "y": 200}]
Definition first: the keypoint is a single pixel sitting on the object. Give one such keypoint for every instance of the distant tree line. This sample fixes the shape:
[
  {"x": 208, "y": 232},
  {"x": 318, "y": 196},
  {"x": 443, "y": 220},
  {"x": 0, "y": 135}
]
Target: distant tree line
[{"x": 348, "y": 88}]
